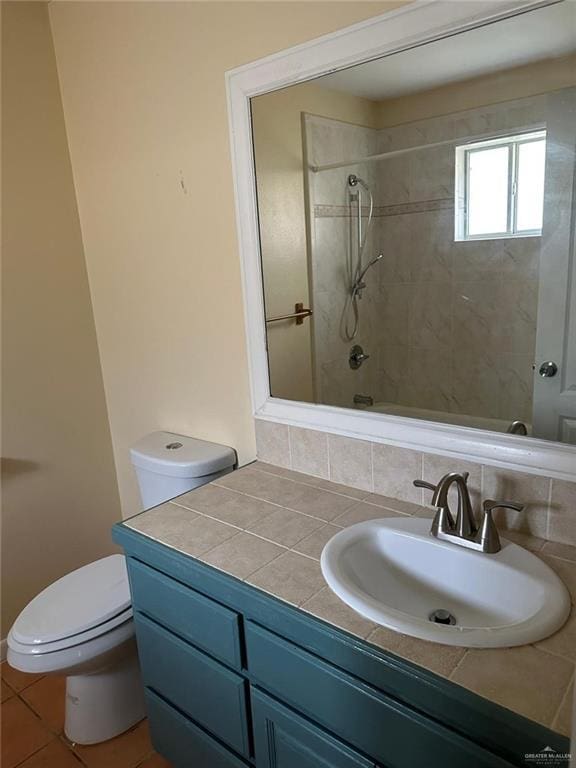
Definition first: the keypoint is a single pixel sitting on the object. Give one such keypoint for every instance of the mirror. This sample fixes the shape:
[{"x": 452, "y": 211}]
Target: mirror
[{"x": 417, "y": 216}]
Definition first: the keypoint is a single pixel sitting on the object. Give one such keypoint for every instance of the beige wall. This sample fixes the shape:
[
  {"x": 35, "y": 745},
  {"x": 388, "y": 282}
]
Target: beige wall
[
  {"x": 59, "y": 486},
  {"x": 278, "y": 149},
  {"x": 145, "y": 105},
  {"x": 516, "y": 83}
]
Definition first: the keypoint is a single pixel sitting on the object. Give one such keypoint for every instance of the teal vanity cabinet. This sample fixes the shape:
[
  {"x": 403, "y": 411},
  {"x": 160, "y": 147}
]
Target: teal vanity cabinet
[{"x": 236, "y": 678}]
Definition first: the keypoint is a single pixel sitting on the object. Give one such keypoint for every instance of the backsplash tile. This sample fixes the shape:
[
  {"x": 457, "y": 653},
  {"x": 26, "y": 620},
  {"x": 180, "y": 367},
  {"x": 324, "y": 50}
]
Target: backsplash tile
[
  {"x": 375, "y": 473},
  {"x": 395, "y": 469},
  {"x": 350, "y": 461},
  {"x": 309, "y": 451},
  {"x": 531, "y": 490},
  {"x": 273, "y": 443},
  {"x": 562, "y": 520}
]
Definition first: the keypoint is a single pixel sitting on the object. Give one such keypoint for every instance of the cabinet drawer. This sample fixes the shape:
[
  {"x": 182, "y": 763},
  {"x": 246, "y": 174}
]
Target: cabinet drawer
[
  {"x": 202, "y": 688},
  {"x": 285, "y": 740},
  {"x": 181, "y": 742},
  {"x": 205, "y": 623},
  {"x": 391, "y": 733}
]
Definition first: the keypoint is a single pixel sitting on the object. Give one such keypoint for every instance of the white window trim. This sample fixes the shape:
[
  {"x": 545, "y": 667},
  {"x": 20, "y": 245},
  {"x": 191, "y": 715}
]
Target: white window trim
[
  {"x": 461, "y": 190},
  {"x": 419, "y": 22}
]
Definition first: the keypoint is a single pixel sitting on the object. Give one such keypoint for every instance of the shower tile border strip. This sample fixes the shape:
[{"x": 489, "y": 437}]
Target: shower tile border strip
[{"x": 422, "y": 206}]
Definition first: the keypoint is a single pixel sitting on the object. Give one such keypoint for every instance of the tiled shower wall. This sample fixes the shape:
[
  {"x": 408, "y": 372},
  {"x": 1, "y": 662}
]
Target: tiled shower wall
[
  {"x": 550, "y": 504},
  {"x": 449, "y": 326}
]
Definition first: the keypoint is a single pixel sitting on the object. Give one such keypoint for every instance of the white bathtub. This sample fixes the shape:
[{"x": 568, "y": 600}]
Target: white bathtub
[{"x": 460, "y": 419}]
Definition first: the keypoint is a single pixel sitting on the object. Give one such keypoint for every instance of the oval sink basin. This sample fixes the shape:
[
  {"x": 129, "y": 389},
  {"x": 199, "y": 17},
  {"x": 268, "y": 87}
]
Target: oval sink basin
[{"x": 395, "y": 573}]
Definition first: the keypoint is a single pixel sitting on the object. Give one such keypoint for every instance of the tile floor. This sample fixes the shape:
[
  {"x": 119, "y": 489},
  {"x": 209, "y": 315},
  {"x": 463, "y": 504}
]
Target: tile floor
[{"x": 32, "y": 714}]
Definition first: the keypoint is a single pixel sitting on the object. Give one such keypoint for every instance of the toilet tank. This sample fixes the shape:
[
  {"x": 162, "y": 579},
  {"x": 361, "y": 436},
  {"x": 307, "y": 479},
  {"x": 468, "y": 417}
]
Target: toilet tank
[{"x": 168, "y": 465}]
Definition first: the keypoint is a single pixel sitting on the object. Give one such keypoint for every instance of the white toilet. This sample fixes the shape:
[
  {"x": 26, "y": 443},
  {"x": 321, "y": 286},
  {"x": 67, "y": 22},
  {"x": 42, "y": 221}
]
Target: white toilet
[{"x": 81, "y": 626}]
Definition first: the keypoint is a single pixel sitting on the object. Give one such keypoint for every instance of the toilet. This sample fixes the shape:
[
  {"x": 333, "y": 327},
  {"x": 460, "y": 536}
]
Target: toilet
[{"x": 81, "y": 625}]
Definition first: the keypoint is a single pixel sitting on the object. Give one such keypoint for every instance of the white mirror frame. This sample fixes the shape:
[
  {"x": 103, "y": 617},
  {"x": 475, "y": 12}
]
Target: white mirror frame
[{"x": 418, "y": 22}]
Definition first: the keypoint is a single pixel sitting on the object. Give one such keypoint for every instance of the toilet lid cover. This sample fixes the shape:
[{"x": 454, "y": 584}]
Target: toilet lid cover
[{"x": 77, "y": 602}]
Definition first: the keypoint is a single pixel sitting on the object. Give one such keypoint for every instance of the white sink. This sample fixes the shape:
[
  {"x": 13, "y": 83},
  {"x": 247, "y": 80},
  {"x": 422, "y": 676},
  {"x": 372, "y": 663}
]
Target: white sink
[{"x": 395, "y": 573}]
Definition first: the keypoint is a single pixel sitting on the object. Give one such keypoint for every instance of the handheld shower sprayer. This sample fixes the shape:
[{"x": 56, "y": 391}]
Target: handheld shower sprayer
[
  {"x": 351, "y": 314},
  {"x": 359, "y": 285}
]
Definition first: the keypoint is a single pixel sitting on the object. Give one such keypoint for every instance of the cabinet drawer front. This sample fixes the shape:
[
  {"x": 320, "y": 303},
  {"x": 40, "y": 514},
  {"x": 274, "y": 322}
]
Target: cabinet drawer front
[
  {"x": 204, "y": 622},
  {"x": 181, "y": 741},
  {"x": 379, "y": 726},
  {"x": 284, "y": 740},
  {"x": 199, "y": 686}
]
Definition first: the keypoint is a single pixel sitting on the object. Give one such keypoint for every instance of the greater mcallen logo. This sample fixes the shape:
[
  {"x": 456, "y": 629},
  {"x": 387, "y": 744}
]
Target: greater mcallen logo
[{"x": 547, "y": 756}]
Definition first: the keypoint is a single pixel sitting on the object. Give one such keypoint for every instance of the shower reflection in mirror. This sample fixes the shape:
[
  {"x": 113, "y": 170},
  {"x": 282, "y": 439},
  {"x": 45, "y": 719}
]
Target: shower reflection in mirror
[{"x": 428, "y": 222}]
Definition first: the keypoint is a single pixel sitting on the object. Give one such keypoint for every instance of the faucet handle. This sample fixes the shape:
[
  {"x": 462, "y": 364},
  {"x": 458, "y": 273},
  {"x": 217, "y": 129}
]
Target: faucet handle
[
  {"x": 488, "y": 535},
  {"x": 489, "y": 504},
  {"x": 424, "y": 484}
]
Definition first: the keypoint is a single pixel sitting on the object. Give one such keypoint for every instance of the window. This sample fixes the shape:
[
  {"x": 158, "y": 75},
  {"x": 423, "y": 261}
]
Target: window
[{"x": 500, "y": 187}]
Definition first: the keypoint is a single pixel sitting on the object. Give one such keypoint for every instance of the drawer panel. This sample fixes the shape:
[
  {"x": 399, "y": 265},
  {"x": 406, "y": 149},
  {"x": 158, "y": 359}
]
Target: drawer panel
[
  {"x": 181, "y": 742},
  {"x": 379, "y": 726},
  {"x": 205, "y": 623},
  {"x": 213, "y": 696}
]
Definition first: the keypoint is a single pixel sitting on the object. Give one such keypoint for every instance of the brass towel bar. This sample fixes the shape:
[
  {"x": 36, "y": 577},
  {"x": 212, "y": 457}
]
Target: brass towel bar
[{"x": 299, "y": 314}]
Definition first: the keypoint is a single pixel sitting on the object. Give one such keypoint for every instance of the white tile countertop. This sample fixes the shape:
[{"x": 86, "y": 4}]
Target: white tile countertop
[{"x": 267, "y": 526}]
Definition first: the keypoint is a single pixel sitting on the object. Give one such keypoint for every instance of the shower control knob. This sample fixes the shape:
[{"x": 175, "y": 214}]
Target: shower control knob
[
  {"x": 548, "y": 370},
  {"x": 357, "y": 357}
]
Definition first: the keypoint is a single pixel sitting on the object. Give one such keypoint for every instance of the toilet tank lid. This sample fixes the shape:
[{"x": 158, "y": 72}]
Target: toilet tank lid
[{"x": 175, "y": 455}]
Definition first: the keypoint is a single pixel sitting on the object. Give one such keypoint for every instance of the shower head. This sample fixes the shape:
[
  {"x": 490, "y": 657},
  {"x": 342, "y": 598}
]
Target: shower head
[
  {"x": 354, "y": 180},
  {"x": 359, "y": 282}
]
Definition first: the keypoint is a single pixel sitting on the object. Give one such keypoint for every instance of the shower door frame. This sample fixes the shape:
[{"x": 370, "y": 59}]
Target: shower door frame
[{"x": 413, "y": 24}]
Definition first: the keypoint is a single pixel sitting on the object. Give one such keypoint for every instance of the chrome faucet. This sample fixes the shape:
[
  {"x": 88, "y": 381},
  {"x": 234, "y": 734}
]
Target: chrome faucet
[{"x": 465, "y": 531}]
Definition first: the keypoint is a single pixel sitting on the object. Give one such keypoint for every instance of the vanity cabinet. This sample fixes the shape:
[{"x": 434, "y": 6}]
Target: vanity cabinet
[{"x": 237, "y": 678}]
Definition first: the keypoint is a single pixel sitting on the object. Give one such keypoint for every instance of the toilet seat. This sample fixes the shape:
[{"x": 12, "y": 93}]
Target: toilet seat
[
  {"x": 69, "y": 642},
  {"x": 82, "y": 605}
]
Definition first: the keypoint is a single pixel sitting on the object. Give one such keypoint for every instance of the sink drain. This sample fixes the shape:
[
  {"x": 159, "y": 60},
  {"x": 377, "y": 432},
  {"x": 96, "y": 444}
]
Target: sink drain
[{"x": 441, "y": 616}]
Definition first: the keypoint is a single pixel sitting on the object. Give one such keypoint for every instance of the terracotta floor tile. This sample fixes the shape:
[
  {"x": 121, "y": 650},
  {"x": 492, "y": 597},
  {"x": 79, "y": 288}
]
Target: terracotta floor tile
[
  {"x": 17, "y": 680},
  {"x": 54, "y": 755},
  {"x": 125, "y": 751},
  {"x": 47, "y": 699},
  {"x": 7, "y": 692},
  {"x": 155, "y": 761},
  {"x": 22, "y": 733}
]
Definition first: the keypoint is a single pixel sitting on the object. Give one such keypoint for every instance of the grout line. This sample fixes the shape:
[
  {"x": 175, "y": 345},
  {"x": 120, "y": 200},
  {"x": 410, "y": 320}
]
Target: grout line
[
  {"x": 258, "y": 535},
  {"x": 329, "y": 458},
  {"x": 563, "y": 700},
  {"x": 290, "y": 447},
  {"x": 548, "y": 652},
  {"x": 256, "y": 498},
  {"x": 458, "y": 664},
  {"x": 549, "y": 508},
  {"x": 422, "y": 464},
  {"x": 296, "y": 482},
  {"x": 372, "y": 467},
  {"x": 28, "y": 757}
]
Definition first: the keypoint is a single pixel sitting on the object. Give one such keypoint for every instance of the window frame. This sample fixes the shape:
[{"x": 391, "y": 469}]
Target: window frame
[{"x": 513, "y": 141}]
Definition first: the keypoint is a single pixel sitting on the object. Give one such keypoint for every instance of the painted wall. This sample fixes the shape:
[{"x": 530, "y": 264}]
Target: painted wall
[
  {"x": 278, "y": 152},
  {"x": 516, "y": 83},
  {"x": 59, "y": 489},
  {"x": 145, "y": 104}
]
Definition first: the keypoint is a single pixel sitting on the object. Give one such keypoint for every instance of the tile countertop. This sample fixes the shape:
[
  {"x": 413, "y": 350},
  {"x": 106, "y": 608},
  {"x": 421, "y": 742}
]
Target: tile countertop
[{"x": 267, "y": 526}]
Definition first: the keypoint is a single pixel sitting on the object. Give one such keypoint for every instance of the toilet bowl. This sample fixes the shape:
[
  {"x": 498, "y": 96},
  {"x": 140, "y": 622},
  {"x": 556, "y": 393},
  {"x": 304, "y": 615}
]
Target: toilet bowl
[{"x": 81, "y": 627}]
